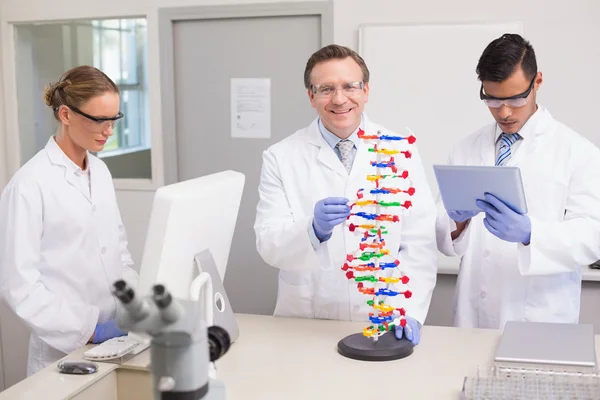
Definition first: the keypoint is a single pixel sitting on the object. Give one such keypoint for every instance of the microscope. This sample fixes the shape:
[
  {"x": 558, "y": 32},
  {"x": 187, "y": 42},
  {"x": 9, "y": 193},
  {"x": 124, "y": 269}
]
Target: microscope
[{"x": 183, "y": 345}]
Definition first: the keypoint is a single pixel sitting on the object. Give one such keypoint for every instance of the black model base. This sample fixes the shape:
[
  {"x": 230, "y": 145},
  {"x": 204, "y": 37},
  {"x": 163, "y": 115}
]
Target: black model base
[{"x": 386, "y": 348}]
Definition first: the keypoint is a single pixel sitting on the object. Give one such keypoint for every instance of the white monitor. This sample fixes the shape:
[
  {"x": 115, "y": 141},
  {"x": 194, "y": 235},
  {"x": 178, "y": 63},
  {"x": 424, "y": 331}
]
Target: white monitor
[{"x": 188, "y": 218}]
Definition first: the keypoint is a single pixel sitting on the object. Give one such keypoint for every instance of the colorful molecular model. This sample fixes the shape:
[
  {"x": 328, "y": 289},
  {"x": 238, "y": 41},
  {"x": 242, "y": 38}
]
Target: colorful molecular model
[{"x": 373, "y": 267}]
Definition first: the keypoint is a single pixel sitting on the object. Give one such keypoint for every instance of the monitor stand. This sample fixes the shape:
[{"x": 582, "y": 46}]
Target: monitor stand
[{"x": 222, "y": 311}]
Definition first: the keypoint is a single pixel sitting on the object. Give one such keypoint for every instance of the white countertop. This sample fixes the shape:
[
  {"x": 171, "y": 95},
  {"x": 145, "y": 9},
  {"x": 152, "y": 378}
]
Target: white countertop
[
  {"x": 51, "y": 385},
  {"x": 296, "y": 359}
]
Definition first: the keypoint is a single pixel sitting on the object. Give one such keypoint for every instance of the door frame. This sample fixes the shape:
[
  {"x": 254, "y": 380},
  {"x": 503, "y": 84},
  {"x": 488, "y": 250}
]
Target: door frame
[{"x": 166, "y": 19}]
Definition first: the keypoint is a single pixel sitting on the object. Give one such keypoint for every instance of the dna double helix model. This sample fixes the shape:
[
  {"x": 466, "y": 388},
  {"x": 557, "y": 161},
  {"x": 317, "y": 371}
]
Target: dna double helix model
[{"x": 373, "y": 267}]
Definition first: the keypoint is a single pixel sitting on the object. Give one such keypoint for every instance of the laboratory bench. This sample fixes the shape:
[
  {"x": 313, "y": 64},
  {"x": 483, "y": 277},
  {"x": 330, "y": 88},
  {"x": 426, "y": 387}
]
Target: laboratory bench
[
  {"x": 293, "y": 359},
  {"x": 588, "y": 274}
]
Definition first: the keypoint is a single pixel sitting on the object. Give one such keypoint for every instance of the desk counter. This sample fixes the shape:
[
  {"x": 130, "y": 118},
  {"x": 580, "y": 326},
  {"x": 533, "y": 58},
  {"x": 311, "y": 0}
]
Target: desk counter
[
  {"x": 588, "y": 274},
  {"x": 293, "y": 359}
]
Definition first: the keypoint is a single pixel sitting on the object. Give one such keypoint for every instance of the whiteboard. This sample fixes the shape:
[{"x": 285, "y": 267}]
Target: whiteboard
[{"x": 423, "y": 77}]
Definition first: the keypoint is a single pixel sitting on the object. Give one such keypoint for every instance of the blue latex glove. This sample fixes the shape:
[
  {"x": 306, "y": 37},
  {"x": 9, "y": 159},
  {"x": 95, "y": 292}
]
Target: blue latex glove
[
  {"x": 329, "y": 212},
  {"x": 503, "y": 222},
  {"x": 461, "y": 216},
  {"x": 411, "y": 331},
  {"x": 107, "y": 330}
]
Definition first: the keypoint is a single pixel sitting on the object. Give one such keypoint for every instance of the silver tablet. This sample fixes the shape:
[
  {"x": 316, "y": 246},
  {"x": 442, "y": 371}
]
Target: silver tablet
[{"x": 461, "y": 185}]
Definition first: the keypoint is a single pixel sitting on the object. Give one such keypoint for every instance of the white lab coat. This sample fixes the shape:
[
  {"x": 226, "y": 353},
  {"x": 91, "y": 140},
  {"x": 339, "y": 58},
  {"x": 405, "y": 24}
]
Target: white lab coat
[
  {"x": 303, "y": 169},
  {"x": 60, "y": 252},
  {"x": 500, "y": 281}
]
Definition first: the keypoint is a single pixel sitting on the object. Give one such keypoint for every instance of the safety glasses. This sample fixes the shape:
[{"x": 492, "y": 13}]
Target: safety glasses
[
  {"x": 327, "y": 91},
  {"x": 515, "y": 101},
  {"x": 100, "y": 124},
  {"x": 99, "y": 120}
]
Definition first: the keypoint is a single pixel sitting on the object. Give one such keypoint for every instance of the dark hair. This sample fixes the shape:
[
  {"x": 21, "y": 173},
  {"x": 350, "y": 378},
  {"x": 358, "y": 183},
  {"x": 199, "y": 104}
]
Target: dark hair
[
  {"x": 334, "y": 51},
  {"x": 77, "y": 86},
  {"x": 503, "y": 56}
]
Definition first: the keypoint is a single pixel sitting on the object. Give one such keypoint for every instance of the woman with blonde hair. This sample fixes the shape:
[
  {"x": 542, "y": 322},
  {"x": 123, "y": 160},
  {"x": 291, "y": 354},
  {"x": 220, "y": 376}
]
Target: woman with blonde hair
[{"x": 62, "y": 241}]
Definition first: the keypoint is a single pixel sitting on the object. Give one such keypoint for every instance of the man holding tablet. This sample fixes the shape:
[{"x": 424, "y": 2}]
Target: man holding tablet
[{"x": 524, "y": 267}]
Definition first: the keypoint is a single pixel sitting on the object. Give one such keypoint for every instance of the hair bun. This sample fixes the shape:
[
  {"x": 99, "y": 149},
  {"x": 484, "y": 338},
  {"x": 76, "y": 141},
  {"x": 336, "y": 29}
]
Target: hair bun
[{"x": 50, "y": 92}]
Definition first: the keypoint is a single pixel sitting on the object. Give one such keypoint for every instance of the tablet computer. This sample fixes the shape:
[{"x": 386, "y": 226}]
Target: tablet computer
[{"x": 461, "y": 185}]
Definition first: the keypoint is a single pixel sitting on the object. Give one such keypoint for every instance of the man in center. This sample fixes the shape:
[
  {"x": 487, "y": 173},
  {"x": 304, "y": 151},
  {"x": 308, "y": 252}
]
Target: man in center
[{"x": 307, "y": 182}]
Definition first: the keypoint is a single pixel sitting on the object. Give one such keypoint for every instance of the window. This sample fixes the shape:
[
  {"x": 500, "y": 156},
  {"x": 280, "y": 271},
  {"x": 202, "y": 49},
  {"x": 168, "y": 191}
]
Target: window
[
  {"x": 119, "y": 50},
  {"x": 118, "y": 47}
]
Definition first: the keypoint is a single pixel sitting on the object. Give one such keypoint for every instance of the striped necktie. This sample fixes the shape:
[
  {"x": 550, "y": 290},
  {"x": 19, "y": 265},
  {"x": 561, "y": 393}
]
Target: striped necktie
[{"x": 506, "y": 140}]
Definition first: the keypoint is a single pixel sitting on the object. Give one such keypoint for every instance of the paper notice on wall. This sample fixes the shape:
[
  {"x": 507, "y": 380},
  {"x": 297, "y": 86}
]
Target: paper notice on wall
[{"x": 251, "y": 108}]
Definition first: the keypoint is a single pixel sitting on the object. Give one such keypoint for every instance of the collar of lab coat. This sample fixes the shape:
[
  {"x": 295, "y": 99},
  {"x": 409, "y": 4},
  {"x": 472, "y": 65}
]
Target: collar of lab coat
[
  {"x": 315, "y": 137},
  {"x": 72, "y": 171},
  {"x": 332, "y": 140},
  {"x": 535, "y": 126},
  {"x": 531, "y": 127},
  {"x": 326, "y": 154}
]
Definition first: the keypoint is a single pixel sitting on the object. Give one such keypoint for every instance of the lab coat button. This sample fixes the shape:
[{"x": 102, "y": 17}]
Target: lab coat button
[
  {"x": 104, "y": 250},
  {"x": 356, "y": 308},
  {"x": 483, "y": 295}
]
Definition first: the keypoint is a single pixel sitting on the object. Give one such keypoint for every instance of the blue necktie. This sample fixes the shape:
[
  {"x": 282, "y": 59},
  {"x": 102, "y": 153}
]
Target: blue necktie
[{"x": 506, "y": 140}]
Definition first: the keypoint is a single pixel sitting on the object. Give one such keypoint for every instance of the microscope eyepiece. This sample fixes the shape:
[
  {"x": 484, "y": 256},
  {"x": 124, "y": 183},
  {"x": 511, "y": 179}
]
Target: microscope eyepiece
[
  {"x": 169, "y": 308},
  {"x": 123, "y": 292},
  {"x": 218, "y": 341},
  {"x": 135, "y": 307},
  {"x": 162, "y": 298}
]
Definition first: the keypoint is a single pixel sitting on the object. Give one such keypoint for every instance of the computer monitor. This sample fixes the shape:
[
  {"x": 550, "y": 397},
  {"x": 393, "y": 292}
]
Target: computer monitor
[{"x": 187, "y": 219}]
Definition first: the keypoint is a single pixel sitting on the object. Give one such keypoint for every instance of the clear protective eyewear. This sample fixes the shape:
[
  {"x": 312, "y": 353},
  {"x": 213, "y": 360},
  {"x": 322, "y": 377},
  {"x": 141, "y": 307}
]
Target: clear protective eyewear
[
  {"x": 328, "y": 91},
  {"x": 515, "y": 101},
  {"x": 99, "y": 124}
]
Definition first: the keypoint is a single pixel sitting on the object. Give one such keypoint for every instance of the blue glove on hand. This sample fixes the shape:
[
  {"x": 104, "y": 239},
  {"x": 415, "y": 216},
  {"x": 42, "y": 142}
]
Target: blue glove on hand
[
  {"x": 412, "y": 331},
  {"x": 461, "y": 216},
  {"x": 329, "y": 212},
  {"x": 503, "y": 222},
  {"x": 107, "y": 330}
]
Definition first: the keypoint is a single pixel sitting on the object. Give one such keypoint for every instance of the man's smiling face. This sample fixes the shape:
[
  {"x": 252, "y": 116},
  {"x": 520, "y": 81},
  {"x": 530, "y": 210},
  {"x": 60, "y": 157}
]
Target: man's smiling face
[{"x": 340, "y": 113}]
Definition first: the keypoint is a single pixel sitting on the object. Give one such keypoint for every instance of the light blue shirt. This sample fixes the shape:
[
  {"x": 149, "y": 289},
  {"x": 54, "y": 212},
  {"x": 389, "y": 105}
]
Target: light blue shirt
[
  {"x": 332, "y": 140},
  {"x": 526, "y": 131}
]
